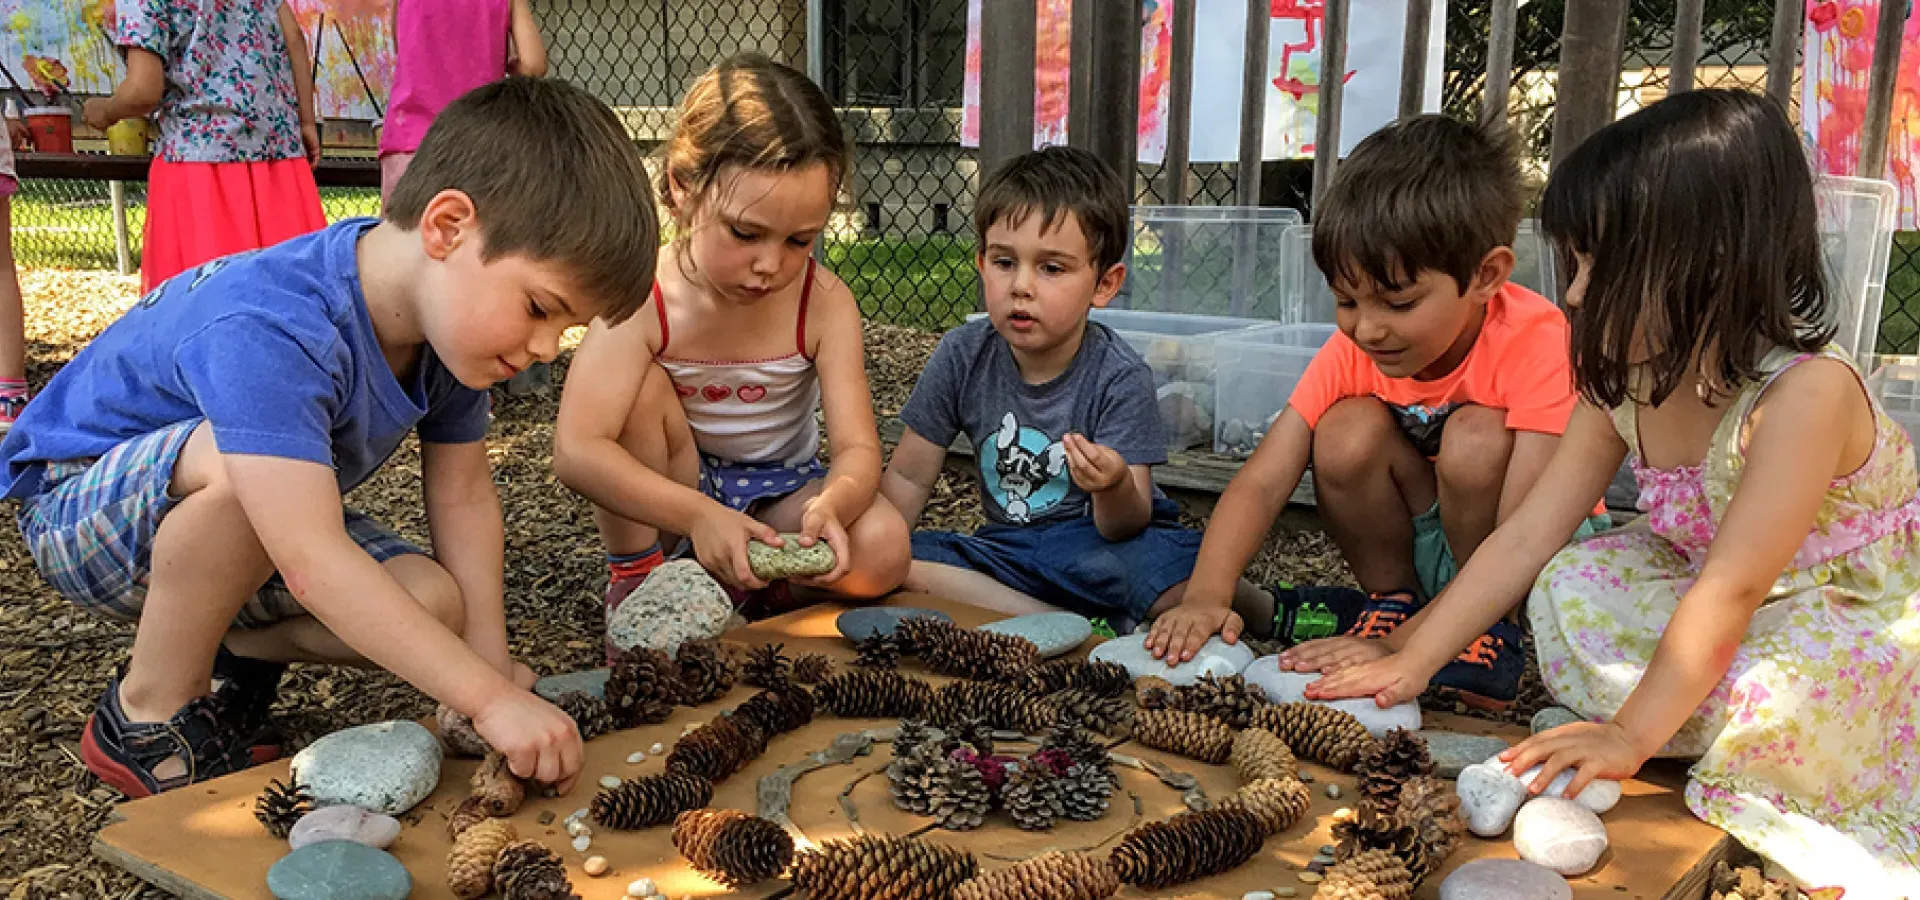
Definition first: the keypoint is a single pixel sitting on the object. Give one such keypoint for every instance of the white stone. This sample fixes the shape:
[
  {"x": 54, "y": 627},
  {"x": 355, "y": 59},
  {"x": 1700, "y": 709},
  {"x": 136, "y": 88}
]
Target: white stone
[
  {"x": 1489, "y": 797},
  {"x": 1215, "y": 657},
  {"x": 1282, "y": 686},
  {"x": 595, "y": 866},
  {"x": 1600, "y": 794},
  {"x": 1257, "y": 895},
  {"x": 578, "y": 814},
  {"x": 577, "y": 828},
  {"x": 641, "y": 887},
  {"x": 635, "y": 758},
  {"x": 344, "y": 823},
  {"x": 657, "y": 749},
  {"x": 609, "y": 781},
  {"x": 1504, "y": 879},
  {"x": 386, "y": 767},
  {"x": 582, "y": 842},
  {"x": 678, "y": 602},
  {"x": 1560, "y": 834}
]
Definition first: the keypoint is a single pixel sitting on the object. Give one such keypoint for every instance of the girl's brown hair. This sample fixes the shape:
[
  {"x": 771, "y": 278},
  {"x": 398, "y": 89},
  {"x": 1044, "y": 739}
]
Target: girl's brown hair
[{"x": 754, "y": 113}]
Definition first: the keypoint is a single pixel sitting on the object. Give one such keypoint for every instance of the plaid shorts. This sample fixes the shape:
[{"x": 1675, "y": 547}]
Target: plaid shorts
[{"x": 92, "y": 525}]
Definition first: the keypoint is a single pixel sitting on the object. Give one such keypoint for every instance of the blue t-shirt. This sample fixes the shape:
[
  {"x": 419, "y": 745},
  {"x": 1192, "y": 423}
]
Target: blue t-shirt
[{"x": 274, "y": 347}]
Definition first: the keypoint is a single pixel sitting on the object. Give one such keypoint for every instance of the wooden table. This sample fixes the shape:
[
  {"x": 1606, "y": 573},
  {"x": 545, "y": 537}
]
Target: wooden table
[
  {"x": 202, "y": 842},
  {"x": 331, "y": 172}
]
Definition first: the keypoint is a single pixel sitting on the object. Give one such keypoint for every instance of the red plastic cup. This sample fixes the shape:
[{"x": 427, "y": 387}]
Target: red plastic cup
[{"x": 52, "y": 128}]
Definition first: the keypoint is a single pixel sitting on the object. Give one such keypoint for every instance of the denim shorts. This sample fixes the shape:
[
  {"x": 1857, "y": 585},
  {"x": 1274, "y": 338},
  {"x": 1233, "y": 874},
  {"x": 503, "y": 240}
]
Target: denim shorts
[{"x": 92, "y": 525}]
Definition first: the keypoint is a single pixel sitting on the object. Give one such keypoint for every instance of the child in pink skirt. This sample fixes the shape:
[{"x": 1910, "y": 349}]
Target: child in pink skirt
[
  {"x": 233, "y": 169},
  {"x": 446, "y": 48},
  {"x": 13, "y": 316}
]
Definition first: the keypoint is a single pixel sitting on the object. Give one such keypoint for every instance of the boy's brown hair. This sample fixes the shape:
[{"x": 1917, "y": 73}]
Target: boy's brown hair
[
  {"x": 1424, "y": 194},
  {"x": 553, "y": 176},
  {"x": 753, "y": 113},
  {"x": 1053, "y": 182}
]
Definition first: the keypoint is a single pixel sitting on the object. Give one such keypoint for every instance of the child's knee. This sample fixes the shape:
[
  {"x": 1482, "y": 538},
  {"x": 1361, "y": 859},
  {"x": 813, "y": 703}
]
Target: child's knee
[
  {"x": 881, "y": 538},
  {"x": 1347, "y": 440},
  {"x": 1474, "y": 450},
  {"x": 432, "y": 587}
]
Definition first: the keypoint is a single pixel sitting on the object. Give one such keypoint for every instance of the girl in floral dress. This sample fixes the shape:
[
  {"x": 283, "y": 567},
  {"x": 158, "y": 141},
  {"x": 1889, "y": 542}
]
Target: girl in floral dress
[{"x": 1764, "y": 616}]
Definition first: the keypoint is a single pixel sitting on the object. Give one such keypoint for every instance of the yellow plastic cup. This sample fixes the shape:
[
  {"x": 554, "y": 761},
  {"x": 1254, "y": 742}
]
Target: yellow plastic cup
[{"x": 127, "y": 137}]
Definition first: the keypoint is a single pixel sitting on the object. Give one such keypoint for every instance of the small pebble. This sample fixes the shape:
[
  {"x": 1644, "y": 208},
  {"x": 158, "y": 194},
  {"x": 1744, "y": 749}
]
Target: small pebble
[
  {"x": 595, "y": 866},
  {"x": 636, "y": 757},
  {"x": 690, "y": 726},
  {"x": 1306, "y": 776},
  {"x": 657, "y": 749},
  {"x": 577, "y": 828},
  {"x": 1257, "y": 895},
  {"x": 1309, "y": 877},
  {"x": 578, "y": 814},
  {"x": 1327, "y": 849},
  {"x": 1286, "y": 892},
  {"x": 1317, "y": 867},
  {"x": 641, "y": 887},
  {"x": 1333, "y": 792},
  {"x": 582, "y": 842},
  {"x": 546, "y": 817},
  {"x": 609, "y": 782}
]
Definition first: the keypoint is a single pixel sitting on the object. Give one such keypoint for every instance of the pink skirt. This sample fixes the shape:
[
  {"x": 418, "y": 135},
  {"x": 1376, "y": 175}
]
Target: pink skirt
[{"x": 202, "y": 211}]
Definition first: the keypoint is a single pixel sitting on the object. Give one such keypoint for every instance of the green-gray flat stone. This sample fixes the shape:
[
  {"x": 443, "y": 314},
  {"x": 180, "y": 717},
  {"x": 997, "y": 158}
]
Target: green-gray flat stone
[
  {"x": 789, "y": 559},
  {"x": 339, "y": 870}
]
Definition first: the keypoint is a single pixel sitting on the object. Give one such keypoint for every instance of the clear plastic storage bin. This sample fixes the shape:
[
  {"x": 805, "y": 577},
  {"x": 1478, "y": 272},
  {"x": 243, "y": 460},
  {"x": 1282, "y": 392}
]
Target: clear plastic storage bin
[
  {"x": 1897, "y": 383},
  {"x": 1856, "y": 236},
  {"x": 1533, "y": 269},
  {"x": 1211, "y": 260},
  {"x": 1257, "y": 370}
]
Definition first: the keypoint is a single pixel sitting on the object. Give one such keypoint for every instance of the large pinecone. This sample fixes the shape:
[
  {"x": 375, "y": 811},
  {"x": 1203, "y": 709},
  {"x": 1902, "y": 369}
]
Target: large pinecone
[
  {"x": 1153, "y": 692},
  {"x": 527, "y": 871},
  {"x": 719, "y": 748},
  {"x": 1390, "y": 763},
  {"x": 732, "y": 847},
  {"x": 1192, "y": 735},
  {"x": 917, "y": 634},
  {"x": 1050, "y": 876},
  {"x": 470, "y": 862},
  {"x": 868, "y": 694},
  {"x": 1102, "y": 679},
  {"x": 1231, "y": 699},
  {"x": 1373, "y": 875},
  {"x": 767, "y": 667},
  {"x": 1084, "y": 790},
  {"x": 1325, "y": 735},
  {"x": 1001, "y": 706},
  {"x": 588, "y": 712},
  {"x": 1188, "y": 846},
  {"x": 881, "y": 868},
  {"x": 957, "y": 795},
  {"x": 1431, "y": 807},
  {"x": 812, "y": 668},
  {"x": 1111, "y": 716},
  {"x": 907, "y": 777},
  {"x": 1032, "y": 797},
  {"x": 500, "y": 791},
  {"x": 980, "y": 655},
  {"x": 778, "y": 712},
  {"x": 876, "y": 651},
  {"x": 1257, "y": 754},
  {"x": 1277, "y": 802},
  {"x": 706, "y": 674},
  {"x": 653, "y": 800},
  {"x": 642, "y": 688},
  {"x": 1365, "y": 828},
  {"x": 281, "y": 805}
]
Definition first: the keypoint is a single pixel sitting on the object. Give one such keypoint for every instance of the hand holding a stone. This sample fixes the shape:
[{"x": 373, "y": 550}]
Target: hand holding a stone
[
  {"x": 1181, "y": 631},
  {"x": 1095, "y": 468},
  {"x": 539, "y": 741},
  {"x": 1592, "y": 750},
  {"x": 1391, "y": 680},
  {"x": 1332, "y": 654},
  {"x": 720, "y": 542},
  {"x": 819, "y": 522}
]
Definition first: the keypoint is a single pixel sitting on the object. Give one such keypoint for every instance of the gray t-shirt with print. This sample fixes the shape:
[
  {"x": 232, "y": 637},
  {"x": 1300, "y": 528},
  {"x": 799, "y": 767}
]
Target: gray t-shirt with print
[{"x": 972, "y": 385}]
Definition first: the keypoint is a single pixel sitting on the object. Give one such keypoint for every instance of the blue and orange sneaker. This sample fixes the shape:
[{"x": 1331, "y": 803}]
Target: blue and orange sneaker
[
  {"x": 1383, "y": 613},
  {"x": 1486, "y": 675},
  {"x": 126, "y": 755}
]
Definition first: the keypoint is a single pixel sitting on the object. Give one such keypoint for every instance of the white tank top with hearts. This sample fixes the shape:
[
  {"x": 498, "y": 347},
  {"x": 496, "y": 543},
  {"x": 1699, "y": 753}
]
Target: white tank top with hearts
[{"x": 757, "y": 411}]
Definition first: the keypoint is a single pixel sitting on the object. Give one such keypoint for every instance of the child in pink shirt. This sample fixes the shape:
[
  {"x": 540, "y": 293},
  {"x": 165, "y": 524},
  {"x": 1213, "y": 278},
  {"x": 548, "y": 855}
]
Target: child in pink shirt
[{"x": 447, "y": 48}]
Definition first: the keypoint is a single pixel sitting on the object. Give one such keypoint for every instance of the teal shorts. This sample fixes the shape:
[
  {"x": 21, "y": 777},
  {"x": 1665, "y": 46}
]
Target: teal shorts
[{"x": 1433, "y": 557}]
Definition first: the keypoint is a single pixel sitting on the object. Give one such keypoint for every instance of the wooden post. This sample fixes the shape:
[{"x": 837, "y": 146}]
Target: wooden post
[
  {"x": 1006, "y": 81},
  {"x": 1253, "y": 102},
  {"x": 1494, "y": 99},
  {"x": 1689, "y": 18},
  {"x": 1783, "y": 55},
  {"x": 1880, "y": 82},
  {"x": 1333, "y": 70},
  {"x": 1591, "y": 42},
  {"x": 1413, "y": 57},
  {"x": 1105, "y": 100},
  {"x": 1173, "y": 176},
  {"x": 122, "y": 244}
]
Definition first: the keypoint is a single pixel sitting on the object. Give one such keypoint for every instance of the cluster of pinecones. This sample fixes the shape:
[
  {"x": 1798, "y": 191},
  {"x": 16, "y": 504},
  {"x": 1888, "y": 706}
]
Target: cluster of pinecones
[
  {"x": 488, "y": 856},
  {"x": 644, "y": 684},
  {"x": 1424, "y": 828},
  {"x": 732, "y": 847},
  {"x": 1068, "y": 777},
  {"x": 767, "y": 667},
  {"x": 1001, "y": 706},
  {"x": 495, "y": 792},
  {"x": 948, "y": 649}
]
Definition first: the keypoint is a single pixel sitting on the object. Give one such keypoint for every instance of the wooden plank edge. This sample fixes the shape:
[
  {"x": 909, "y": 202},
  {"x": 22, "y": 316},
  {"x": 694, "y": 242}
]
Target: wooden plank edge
[
  {"x": 162, "y": 878},
  {"x": 1695, "y": 884}
]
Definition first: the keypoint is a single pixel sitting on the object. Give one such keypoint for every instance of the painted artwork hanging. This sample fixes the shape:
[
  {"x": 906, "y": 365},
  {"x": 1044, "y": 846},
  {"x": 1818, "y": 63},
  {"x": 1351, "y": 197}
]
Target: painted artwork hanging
[{"x": 1833, "y": 95}]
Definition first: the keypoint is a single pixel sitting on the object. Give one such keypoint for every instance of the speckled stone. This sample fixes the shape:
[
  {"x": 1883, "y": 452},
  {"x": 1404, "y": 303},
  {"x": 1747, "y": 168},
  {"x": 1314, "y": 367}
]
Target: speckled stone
[
  {"x": 789, "y": 559},
  {"x": 866, "y": 621},
  {"x": 1054, "y": 633},
  {"x": 386, "y": 767},
  {"x": 1215, "y": 657},
  {"x": 1489, "y": 797},
  {"x": 339, "y": 870},
  {"x": 678, "y": 602}
]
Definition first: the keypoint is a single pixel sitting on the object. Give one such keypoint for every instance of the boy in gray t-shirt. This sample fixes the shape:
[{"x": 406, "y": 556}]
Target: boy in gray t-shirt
[{"x": 1061, "y": 413}]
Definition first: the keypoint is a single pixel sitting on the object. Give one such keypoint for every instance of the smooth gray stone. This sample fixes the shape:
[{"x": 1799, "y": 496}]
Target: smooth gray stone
[
  {"x": 1282, "y": 686},
  {"x": 344, "y": 823},
  {"x": 339, "y": 870},
  {"x": 592, "y": 682},
  {"x": 386, "y": 767},
  {"x": 1553, "y": 717},
  {"x": 1053, "y": 633},
  {"x": 1215, "y": 657},
  {"x": 1600, "y": 794},
  {"x": 1489, "y": 797},
  {"x": 1504, "y": 879},
  {"x": 1559, "y": 834},
  {"x": 866, "y": 621},
  {"x": 1452, "y": 751}
]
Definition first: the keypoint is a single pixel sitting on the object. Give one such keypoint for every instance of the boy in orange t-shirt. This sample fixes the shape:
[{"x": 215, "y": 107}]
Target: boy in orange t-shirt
[{"x": 1426, "y": 418}]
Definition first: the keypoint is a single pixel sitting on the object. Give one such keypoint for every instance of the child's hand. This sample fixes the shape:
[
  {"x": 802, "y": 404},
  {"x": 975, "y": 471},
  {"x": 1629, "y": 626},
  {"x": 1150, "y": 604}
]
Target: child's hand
[
  {"x": 1332, "y": 654},
  {"x": 1095, "y": 468},
  {"x": 820, "y": 523},
  {"x": 521, "y": 676},
  {"x": 98, "y": 113},
  {"x": 17, "y": 134},
  {"x": 1180, "y": 632},
  {"x": 539, "y": 741},
  {"x": 1592, "y": 750},
  {"x": 720, "y": 542},
  {"x": 310, "y": 140},
  {"x": 1390, "y": 681}
]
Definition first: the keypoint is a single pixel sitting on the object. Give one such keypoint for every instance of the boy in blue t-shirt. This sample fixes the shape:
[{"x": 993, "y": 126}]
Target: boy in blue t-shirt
[{"x": 186, "y": 469}]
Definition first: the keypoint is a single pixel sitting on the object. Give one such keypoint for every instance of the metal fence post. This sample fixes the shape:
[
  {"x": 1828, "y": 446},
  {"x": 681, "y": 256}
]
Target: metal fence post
[
  {"x": 122, "y": 246},
  {"x": 1591, "y": 44},
  {"x": 1688, "y": 20},
  {"x": 1253, "y": 102},
  {"x": 1880, "y": 83},
  {"x": 1783, "y": 55},
  {"x": 1494, "y": 102},
  {"x": 1006, "y": 81},
  {"x": 1333, "y": 70},
  {"x": 1413, "y": 57}
]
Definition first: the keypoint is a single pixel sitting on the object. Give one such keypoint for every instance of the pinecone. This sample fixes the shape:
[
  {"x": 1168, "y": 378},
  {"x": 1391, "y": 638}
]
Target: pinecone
[
  {"x": 881, "y": 868},
  {"x": 706, "y": 674},
  {"x": 642, "y": 688},
  {"x": 1152, "y": 692},
  {"x": 732, "y": 847},
  {"x": 917, "y": 634},
  {"x": 778, "y": 712},
  {"x": 1325, "y": 735},
  {"x": 458, "y": 735},
  {"x": 1231, "y": 699},
  {"x": 1101, "y": 679},
  {"x": 1050, "y": 876},
  {"x": 653, "y": 800},
  {"x": 1001, "y": 706},
  {"x": 1032, "y": 798},
  {"x": 1192, "y": 735},
  {"x": 1111, "y": 716},
  {"x": 470, "y": 862},
  {"x": 767, "y": 667},
  {"x": 812, "y": 668},
  {"x": 1188, "y": 846},
  {"x": 587, "y": 711},
  {"x": 957, "y": 796},
  {"x": 1364, "y": 828},
  {"x": 975, "y": 732},
  {"x": 1277, "y": 802},
  {"x": 527, "y": 871},
  {"x": 907, "y": 777},
  {"x": 721, "y": 747},
  {"x": 499, "y": 790},
  {"x": 1433, "y": 810},
  {"x": 1069, "y": 738},
  {"x": 468, "y": 814},
  {"x": 980, "y": 655},
  {"x": 1373, "y": 875},
  {"x": 1389, "y": 764},
  {"x": 876, "y": 651},
  {"x": 280, "y": 806},
  {"x": 866, "y": 694},
  {"x": 1258, "y": 755},
  {"x": 913, "y": 733},
  {"x": 1084, "y": 791}
]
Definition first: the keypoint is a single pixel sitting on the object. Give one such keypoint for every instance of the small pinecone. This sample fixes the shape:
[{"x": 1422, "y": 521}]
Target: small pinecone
[
  {"x": 867, "y": 694},
  {"x": 1084, "y": 791},
  {"x": 470, "y": 862},
  {"x": 919, "y": 633},
  {"x": 1433, "y": 810},
  {"x": 1053, "y": 875},
  {"x": 980, "y": 655},
  {"x": 527, "y": 871},
  {"x": 642, "y": 688},
  {"x": 812, "y": 668},
  {"x": 1073, "y": 740},
  {"x": 587, "y": 711},
  {"x": 1111, "y": 716},
  {"x": 653, "y": 800},
  {"x": 468, "y": 814},
  {"x": 732, "y": 847},
  {"x": 869, "y": 867},
  {"x": 1365, "y": 828},
  {"x": 913, "y": 733},
  {"x": 1389, "y": 764},
  {"x": 876, "y": 651},
  {"x": 1101, "y": 679},
  {"x": 1002, "y": 707},
  {"x": 1373, "y": 875},
  {"x": 721, "y": 747},
  {"x": 767, "y": 667},
  {"x": 1322, "y": 734},
  {"x": 1258, "y": 755},
  {"x": 280, "y": 806},
  {"x": 706, "y": 674},
  {"x": 1231, "y": 699},
  {"x": 907, "y": 778},
  {"x": 1152, "y": 692},
  {"x": 778, "y": 711},
  {"x": 1192, "y": 735},
  {"x": 500, "y": 791},
  {"x": 1032, "y": 798},
  {"x": 1277, "y": 802},
  {"x": 1188, "y": 846},
  {"x": 957, "y": 796},
  {"x": 975, "y": 732}
]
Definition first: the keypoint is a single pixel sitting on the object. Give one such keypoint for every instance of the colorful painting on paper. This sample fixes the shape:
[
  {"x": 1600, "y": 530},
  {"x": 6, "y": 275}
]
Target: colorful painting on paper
[
  {"x": 65, "y": 42},
  {"x": 1833, "y": 94}
]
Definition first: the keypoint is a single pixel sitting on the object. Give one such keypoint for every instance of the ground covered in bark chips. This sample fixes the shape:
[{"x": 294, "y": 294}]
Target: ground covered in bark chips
[{"x": 55, "y": 659}]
